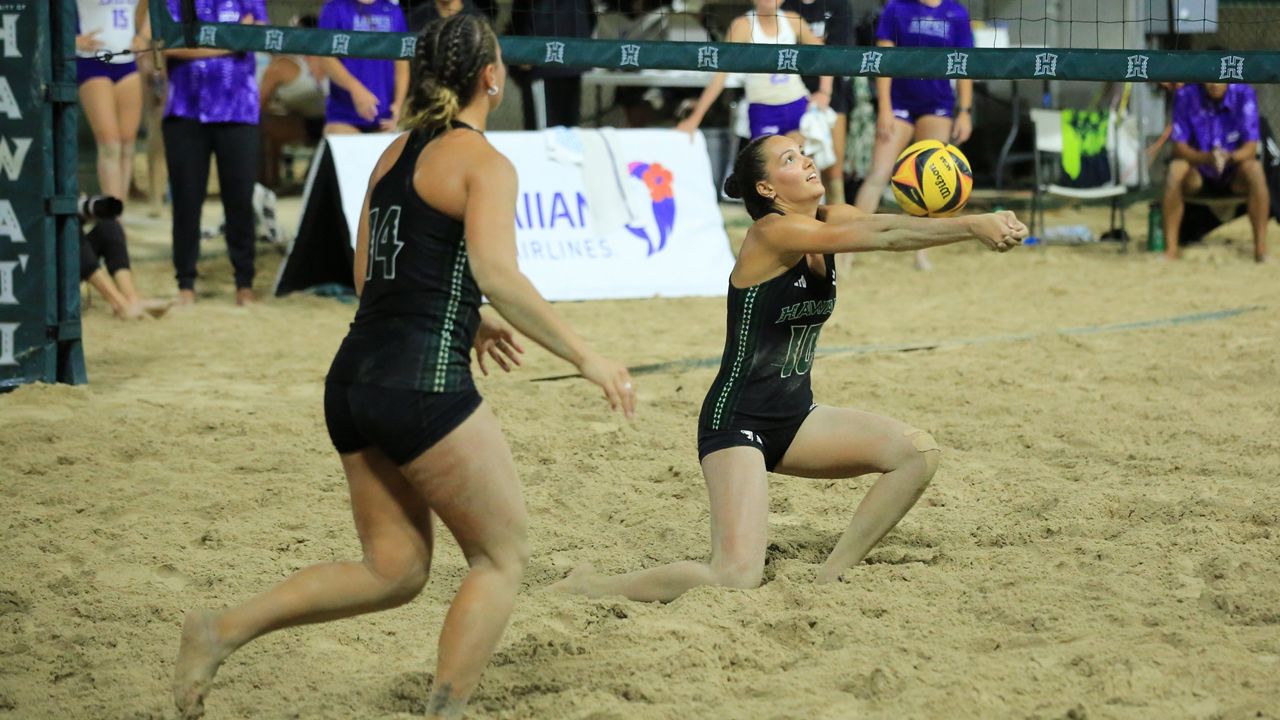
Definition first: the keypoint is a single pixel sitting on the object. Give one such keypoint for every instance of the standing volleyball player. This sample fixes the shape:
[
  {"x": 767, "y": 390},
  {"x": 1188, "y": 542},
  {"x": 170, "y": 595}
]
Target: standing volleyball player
[
  {"x": 414, "y": 437},
  {"x": 759, "y": 415},
  {"x": 911, "y": 110},
  {"x": 110, "y": 90},
  {"x": 775, "y": 102},
  {"x": 365, "y": 94}
]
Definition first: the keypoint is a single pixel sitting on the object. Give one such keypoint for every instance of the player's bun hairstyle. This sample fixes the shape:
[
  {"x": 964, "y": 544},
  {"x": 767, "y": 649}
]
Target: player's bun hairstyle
[
  {"x": 451, "y": 54},
  {"x": 749, "y": 169}
]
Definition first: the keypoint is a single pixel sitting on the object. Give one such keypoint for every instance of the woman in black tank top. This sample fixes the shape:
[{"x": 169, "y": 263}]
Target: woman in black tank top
[
  {"x": 759, "y": 414},
  {"x": 414, "y": 437}
]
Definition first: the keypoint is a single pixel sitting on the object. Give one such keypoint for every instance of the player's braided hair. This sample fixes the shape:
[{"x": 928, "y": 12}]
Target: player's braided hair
[
  {"x": 749, "y": 169},
  {"x": 447, "y": 62}
]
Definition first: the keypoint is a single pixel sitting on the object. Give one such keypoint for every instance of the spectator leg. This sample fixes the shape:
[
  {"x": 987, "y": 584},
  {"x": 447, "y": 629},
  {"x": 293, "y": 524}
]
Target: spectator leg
[
  {"x": 1182, "y": 180},
  {"x": 236, "y": 147},
  {"x": 1252, "y": 181},
  {"x": 187, "y": 147}
]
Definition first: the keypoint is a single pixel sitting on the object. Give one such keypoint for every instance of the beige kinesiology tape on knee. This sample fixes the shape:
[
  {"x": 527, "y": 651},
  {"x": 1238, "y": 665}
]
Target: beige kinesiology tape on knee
[{"x": 923, "y": 441}]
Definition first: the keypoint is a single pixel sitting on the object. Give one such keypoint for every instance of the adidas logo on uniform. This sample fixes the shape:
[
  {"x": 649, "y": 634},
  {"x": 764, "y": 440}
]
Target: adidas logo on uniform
[{"x": 801, "y": 283}]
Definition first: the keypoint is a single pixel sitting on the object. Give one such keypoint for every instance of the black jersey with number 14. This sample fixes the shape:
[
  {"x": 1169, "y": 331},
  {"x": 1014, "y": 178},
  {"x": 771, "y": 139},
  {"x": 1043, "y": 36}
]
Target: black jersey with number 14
[{"x": 420, "y": 306}]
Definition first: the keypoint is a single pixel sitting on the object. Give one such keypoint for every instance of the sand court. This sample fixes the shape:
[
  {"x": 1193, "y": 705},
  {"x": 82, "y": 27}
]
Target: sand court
[{"x": 1102, "y": 539}]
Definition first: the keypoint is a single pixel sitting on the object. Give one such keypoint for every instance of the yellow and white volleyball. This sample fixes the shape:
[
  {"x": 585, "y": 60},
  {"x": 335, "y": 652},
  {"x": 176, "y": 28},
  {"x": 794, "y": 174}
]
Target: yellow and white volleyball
[{"x": 932, "y": 179}]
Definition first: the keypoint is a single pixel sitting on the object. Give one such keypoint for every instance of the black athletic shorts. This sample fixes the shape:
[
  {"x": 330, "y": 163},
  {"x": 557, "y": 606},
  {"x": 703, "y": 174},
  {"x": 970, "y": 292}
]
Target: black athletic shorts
[
  {"x": 403, "y": 424},
  {"x": 841, "y": 93},
  {"x": 772, "y": 442}
]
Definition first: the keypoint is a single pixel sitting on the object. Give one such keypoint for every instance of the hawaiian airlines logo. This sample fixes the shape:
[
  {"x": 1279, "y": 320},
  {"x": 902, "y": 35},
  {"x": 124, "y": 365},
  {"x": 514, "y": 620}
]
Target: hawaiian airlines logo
[{"x": 658, "y": 180}]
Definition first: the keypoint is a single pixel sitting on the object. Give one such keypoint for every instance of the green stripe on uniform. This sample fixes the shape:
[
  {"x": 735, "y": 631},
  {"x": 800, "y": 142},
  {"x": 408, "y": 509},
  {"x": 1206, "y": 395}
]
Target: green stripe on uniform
[
  {"x": 450, "y": 313},
  {"x": 735, "y": 371}
]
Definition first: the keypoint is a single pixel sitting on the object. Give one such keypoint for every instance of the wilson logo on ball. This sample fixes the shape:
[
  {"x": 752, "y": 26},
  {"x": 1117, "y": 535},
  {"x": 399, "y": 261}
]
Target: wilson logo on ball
[{"x": 931, "y": 179}]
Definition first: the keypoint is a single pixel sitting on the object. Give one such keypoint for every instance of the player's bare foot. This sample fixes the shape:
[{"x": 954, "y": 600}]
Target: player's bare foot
[
  {"x": 199, "y": 655},
  {"x": 156, "y": 308},
  {"x": 245, "y": 296},
  {"x": 132, "y": 311},
  {"x": 581, "y": 581},
  {"x": 186, "y": 298}
]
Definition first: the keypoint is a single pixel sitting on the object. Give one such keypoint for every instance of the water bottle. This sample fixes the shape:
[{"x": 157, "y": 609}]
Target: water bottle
[
  {"x": 1155, "y": 228},
  {"x": 1068, "y": 234}
]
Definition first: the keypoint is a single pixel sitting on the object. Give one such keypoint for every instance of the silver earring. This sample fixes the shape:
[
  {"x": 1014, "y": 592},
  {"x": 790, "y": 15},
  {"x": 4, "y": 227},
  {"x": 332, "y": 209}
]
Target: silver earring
[{"x": 493, "y": 90}]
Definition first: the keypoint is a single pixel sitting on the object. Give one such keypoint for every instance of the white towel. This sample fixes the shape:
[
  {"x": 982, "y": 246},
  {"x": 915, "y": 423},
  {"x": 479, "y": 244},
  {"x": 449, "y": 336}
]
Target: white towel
[
  {"x": 604, "y": 181},
  {"x": 816, "y": 126},
  {"x": 564, "y": 145}
]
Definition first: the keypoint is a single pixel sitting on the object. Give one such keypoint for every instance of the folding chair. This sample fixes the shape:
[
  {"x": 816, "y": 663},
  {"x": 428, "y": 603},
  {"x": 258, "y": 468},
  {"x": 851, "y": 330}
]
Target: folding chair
[{"x": 1049, "y": 145}]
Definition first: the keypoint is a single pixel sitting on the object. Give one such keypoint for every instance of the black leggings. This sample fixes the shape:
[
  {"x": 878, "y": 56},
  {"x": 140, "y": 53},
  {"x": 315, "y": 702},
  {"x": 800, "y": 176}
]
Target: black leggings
[
  {"x": 188, "y": 144},
  {"x": 104, "y": 242}
]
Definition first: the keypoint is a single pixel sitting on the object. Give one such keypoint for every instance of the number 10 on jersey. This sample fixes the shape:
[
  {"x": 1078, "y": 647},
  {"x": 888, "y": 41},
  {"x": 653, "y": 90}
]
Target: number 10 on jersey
[{"x": 804, "y": 342}]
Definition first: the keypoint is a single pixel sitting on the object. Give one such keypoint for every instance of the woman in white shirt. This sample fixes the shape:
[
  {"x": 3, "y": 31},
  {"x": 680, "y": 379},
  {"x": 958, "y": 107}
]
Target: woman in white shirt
[
  {"x": 110, "y": 89},
  {"x": 775, "y": 102}
]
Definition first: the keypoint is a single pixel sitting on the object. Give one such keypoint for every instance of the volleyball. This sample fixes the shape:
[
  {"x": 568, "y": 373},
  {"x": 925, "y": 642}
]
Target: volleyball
[{"x": 931, "y": 179}]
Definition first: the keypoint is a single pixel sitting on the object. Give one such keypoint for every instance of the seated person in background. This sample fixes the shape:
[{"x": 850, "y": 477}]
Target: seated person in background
[
  {"x": 1215, "y": 151},
  {"x": 106, "y": 241},
  {"x": 365, "y": 94},
  {"x": 642, "y": 20},
  {"x": 291, "y": 93}
]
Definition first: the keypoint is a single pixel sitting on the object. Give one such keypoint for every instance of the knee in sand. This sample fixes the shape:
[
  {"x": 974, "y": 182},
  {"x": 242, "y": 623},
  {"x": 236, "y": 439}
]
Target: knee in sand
[{"x": 925, "y": 448}]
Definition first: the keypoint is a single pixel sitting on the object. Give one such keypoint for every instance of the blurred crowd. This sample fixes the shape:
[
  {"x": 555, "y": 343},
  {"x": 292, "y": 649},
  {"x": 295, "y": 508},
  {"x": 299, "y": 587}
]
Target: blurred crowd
[{"x": 256, "y": 115}]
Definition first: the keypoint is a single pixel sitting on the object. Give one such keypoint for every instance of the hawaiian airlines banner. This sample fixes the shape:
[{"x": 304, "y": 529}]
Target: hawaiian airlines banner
[{"x": 600, "y": 213}]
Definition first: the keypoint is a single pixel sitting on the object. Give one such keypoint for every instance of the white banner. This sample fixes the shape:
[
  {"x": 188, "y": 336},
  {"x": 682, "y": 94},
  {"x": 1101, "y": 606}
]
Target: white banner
[{"x": 600, "y": 214}]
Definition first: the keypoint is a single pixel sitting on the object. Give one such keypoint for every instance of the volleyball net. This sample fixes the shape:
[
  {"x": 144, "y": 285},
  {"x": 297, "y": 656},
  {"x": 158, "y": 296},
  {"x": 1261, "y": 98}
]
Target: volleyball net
[{"x": 1129, "y": 41}]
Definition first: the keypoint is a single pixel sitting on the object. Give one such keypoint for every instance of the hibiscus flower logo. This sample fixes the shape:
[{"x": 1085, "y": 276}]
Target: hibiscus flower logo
[{"x": 659, "y": 181}]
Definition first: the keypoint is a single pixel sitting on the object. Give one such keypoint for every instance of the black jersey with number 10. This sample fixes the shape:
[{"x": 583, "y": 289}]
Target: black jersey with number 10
[
  {"x": 420, "y": 306},
  {"x": 769, "y": 346}
]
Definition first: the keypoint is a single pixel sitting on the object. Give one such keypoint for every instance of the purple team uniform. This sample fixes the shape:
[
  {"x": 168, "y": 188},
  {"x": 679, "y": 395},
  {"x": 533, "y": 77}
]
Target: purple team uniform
[
  {"x": 378, "y": 76},
  {"x": 218, "y": 89},
  {"x": 1207, "y": 125},
  {"x": 910, "y": 23}
]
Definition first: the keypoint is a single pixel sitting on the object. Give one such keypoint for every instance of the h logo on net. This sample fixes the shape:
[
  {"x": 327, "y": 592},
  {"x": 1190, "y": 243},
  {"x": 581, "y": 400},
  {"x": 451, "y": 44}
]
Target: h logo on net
[
  {"x": 1047, "y": 64},
  {"x": 871, "y": 63},
  {"x": 1137, "y": 67},
  {"x": 275, "y": 41},
  {"x": 708, "y": 58},
  {"x": 1231, "y": 67},
  {"x": 787, "y": 60},
  {"x": 630, "y": 55}
]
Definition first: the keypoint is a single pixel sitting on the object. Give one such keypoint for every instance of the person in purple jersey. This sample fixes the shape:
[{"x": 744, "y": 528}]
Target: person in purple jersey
[
  {"x": 1215, "y": 151},
  {"x": 365, "y": 94},
  {"x": 213, "y": 109},
  {"x": 911, "y": 110}
]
